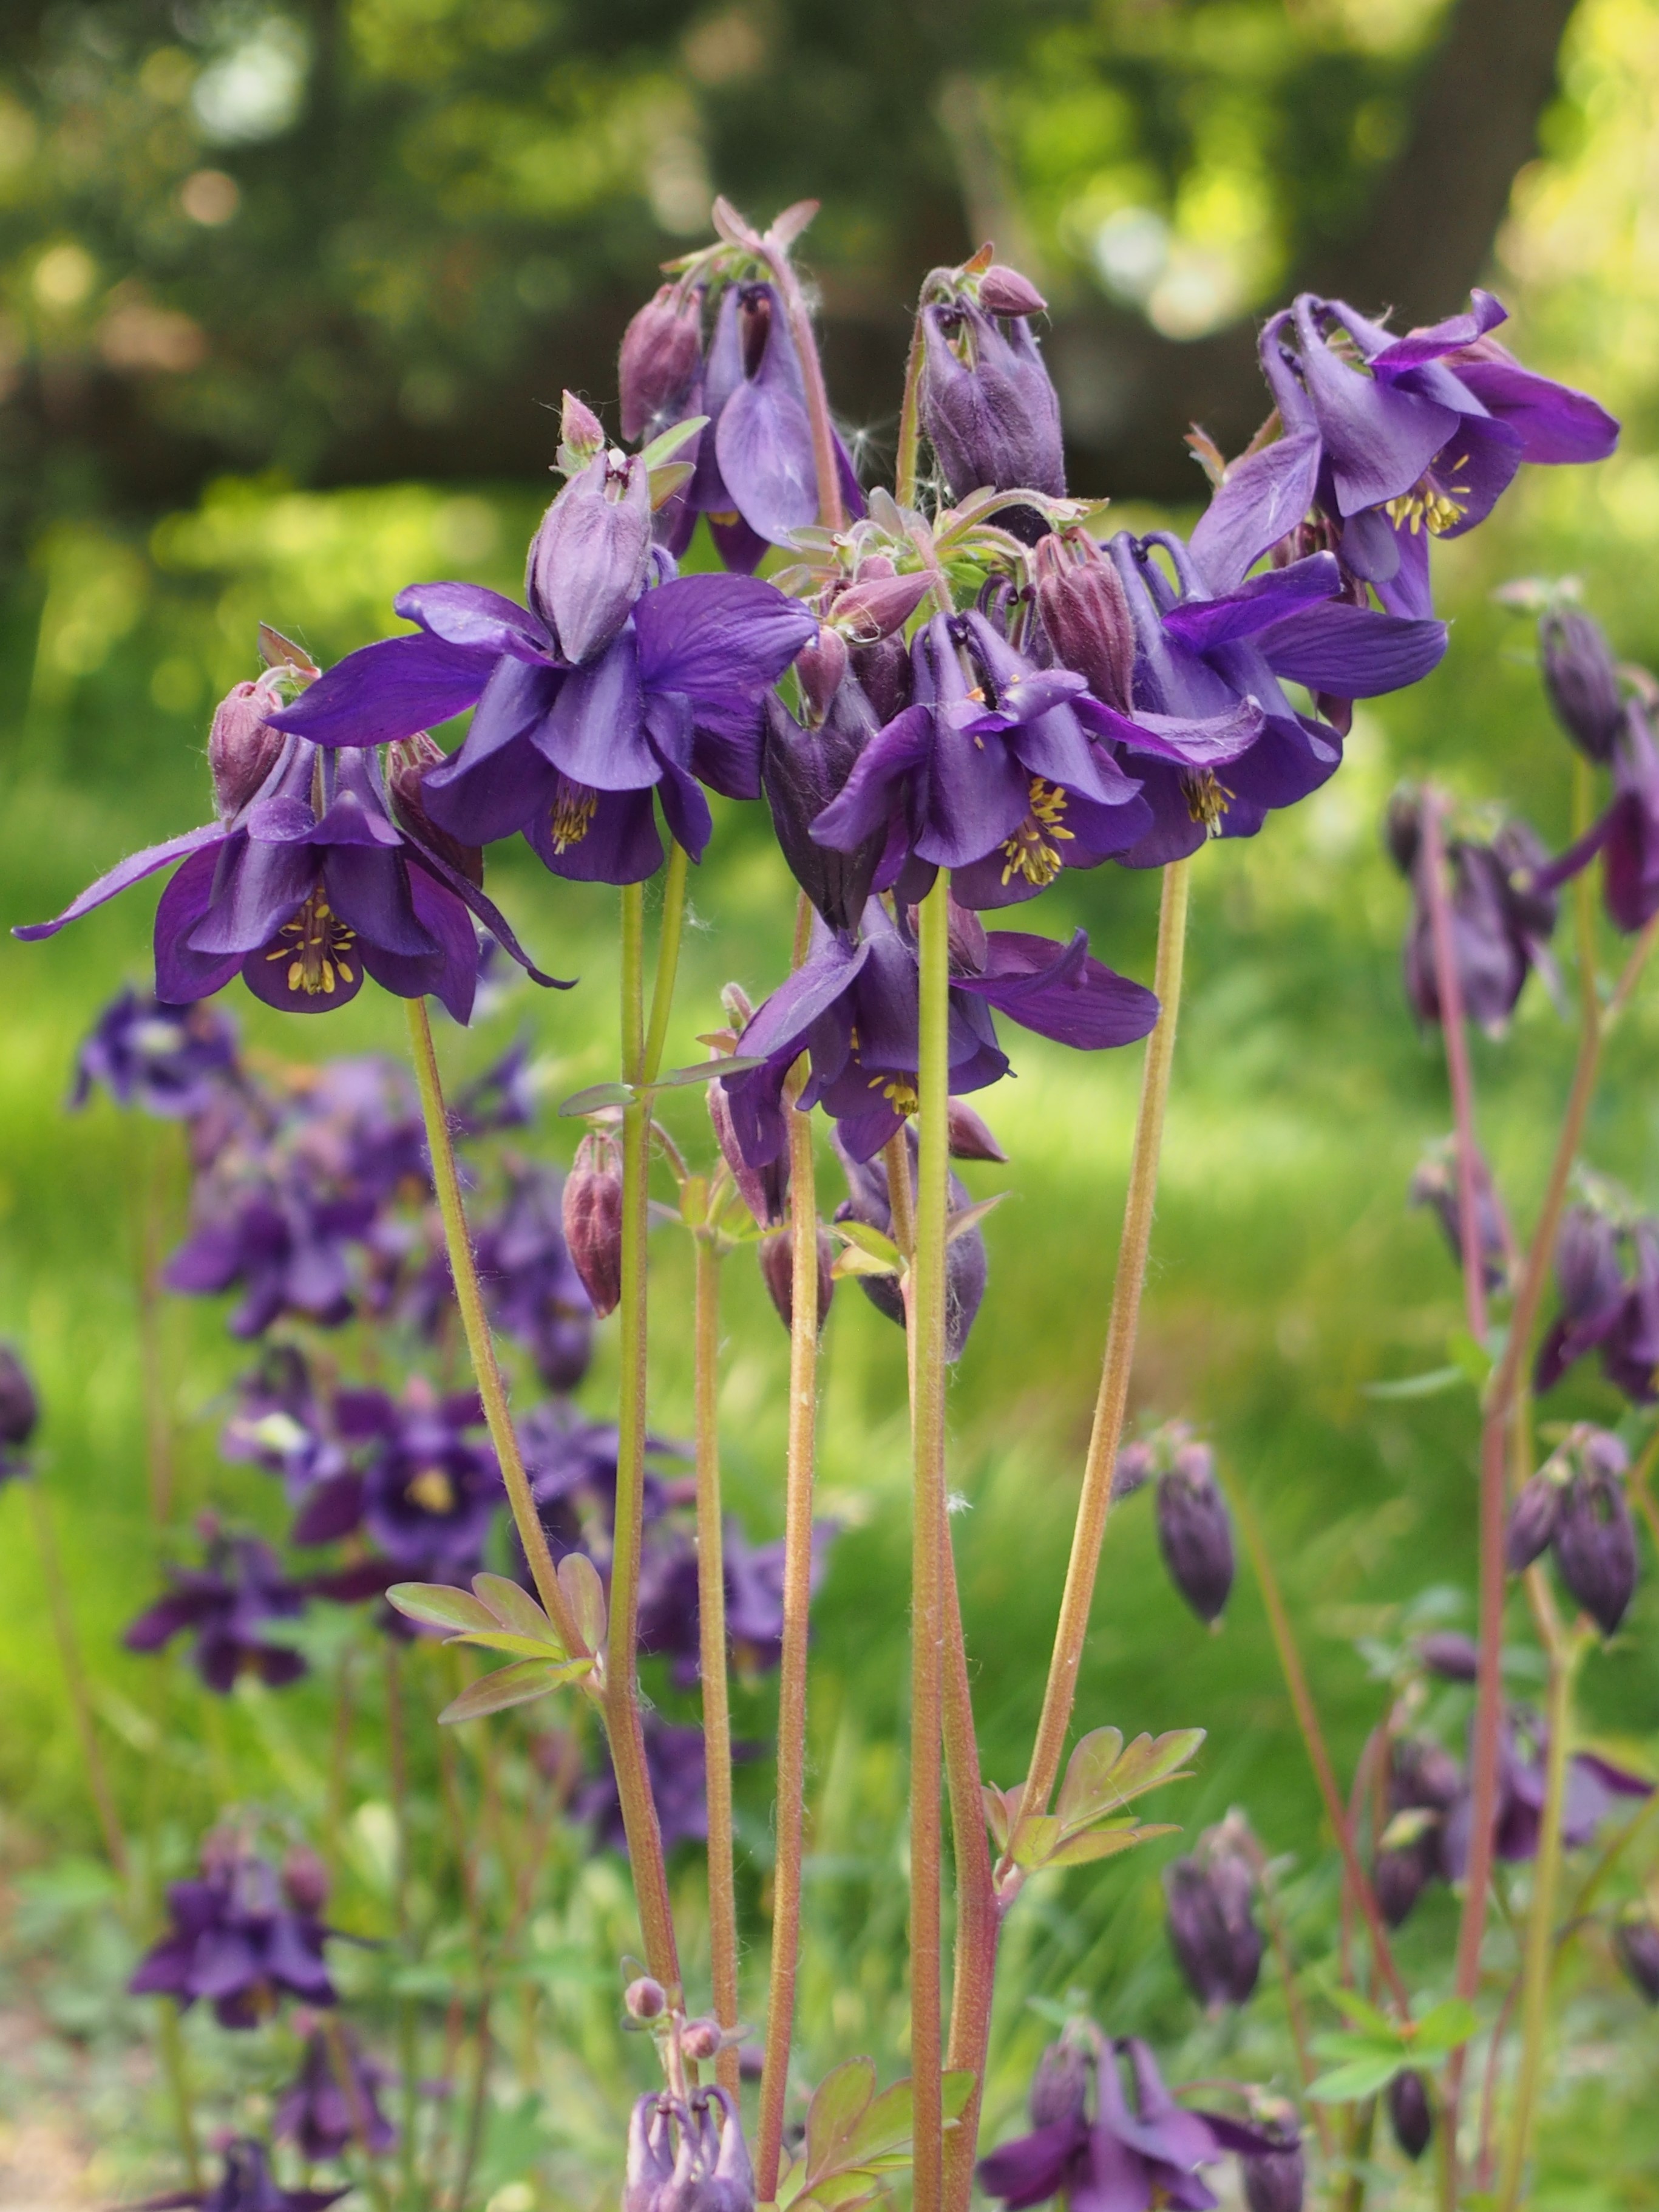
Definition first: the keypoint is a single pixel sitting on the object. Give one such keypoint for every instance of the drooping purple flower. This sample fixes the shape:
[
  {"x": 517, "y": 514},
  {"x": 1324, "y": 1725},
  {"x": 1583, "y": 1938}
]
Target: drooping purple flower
[
  {"x": 503, "y": 1097},
  {"x": 287, "y": 1250},
  {"x": 659, "y": 366},
  {"x": 990, "y": 412},
  {"x": 529, "y": 1283},
  {"x": 1596, "y": 1788},
  {"x": 1630, "y": 829},
  {"x": 167, "y": 1060},
  {"x": 967, "y": 1264},
  {"x": 1434, "y": 1185},
  {"x": 989, "y": 772},
  {"x": 320, "y": 2117},
  {"x": 1576, "y": 1504},
  {"x": 283, "y": 1424},
  {"x": 1423, "y": 1783},
  {"x": 1603, "y": 1310},
  {"x": 706, "y": 2170},
  {"x": 572, "y": 1465},
  {"x": 246, "y": 2184},
  {"x": 427, "y": 1494},
  {"x": 1411, "y": 2116},
  {"x": 1501, "y": 917},
  {"x": 311, "y": 887},
  {"x": 1195, "y": 1529},
  {"x": 236, "y": 1942},
  {"x": 19, "y": 1412},
  {"x": 1391, "y": 439},
  {"x": 226, "y": 1605},
  {"x": 1210, "y": 1899},
  {"x": 1276, "y": 2180},
  {"x": 804, "y": 768},
  {"x": 853, "y": 1005},
  {"x": 1582, "y": 680}
]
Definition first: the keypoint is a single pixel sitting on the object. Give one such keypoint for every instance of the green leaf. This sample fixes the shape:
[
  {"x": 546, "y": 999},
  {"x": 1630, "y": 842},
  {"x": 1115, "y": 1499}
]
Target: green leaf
[
  {"x": 838, "y": 2103},
  {"x": 439, "y": 1607},
  {"x": 1444, "y": 2027},
  {"x": 702, "y": 1071},
  {"x": 662, "y": 483},
  {"x": 969, "y": 1217},
  {"x": 667, "y": 443},
  {"x": 1106, "y": 1843},
  {"x": 1428, "y": 1385},
  {"x": 515, "y": 1608},
  {"x": 1362, "y": 2077},
  {"x": 1035, "y": 1839},
  {"x": 1353, "y": 2007},
  {"x": 849, "y": 1261},
  {"x": 503, "y": 1639},
  {"x": 859, "y": 1233},
  {"x": 595, "y": 1096},
  {"x": 585, "y": 1593},
  {"x": 1088, "y": 1774},
  {"x": 514, "y": 1686}
]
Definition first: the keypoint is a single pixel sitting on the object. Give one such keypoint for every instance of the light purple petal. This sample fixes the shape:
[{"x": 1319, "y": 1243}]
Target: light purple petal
[
  {"x": 721, "y": 639},
  {"x": 1265, "y": 495},
  {"x": 764, "y": 444},
  {"x": 133, "y": 870},
  {"x": 1060, "y": 991},
  {"x": 472, "y": 615},
  {"x": 499, "y": 779},
  {"x": 1207, "y": 741},
  {"x": 1554, "y": 422},
  {"x": 1203, "y": 624},
  {"x": 1377, "y": 439},
  {"x": 595, "y": 734},
  {"x": 387, "y": 691},
  {"x": 1353, "y": 653},
  {"x": 802, "y": 998},
  {"x": 867, "y": 798},
  {"x": 183, "y": 976},
  {"x": 1438, "y": 339}
]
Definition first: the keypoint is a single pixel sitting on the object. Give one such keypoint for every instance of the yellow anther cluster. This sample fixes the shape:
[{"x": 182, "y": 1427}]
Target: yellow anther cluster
[
  {"x": 899, "y": 1091},
  {"x": 1427, "y": 507},
  {"x": 1207, "y": 800},
  {"x": 1032, "y": 851},
  {"x": 315, "y": 946},
  {"x": 572, "y": 815},
  {"x": 432, "y": 1490}
]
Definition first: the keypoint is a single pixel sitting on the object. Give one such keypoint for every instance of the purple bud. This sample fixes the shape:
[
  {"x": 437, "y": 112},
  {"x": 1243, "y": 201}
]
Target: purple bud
[
  {"x": 1455, "y": 1658},
  {"x": 662, "y": 351},
  {"x": 1435, "y": 1186},
  {"x": 700, "y": 2040},
  {"x": 989, "y": 412},
  {"x": 1532, "y": 1523},
  {"x": 1060, "y": 2086},
  {"x": 1581, "y": 682},
  {"x": 1399, "y": 1878},
  {"x": 1596, "y": 1547},
  {"x": 20, "y": 1409},
  {"x": 970, "y": 1138},
  {"x": 1587, "y": 1270},
  {"x": 305, "y": 1880},
  {"x": 1402, "y": 829},
  {"x": 409, "y": 764},
  {"x": 820, "y": 667},
  {"x": 777, "y": 1254},
  {"x": 1086, "y": 614},
  {"x": 581, "y": 434},
  {"x": 593, "y": 1222},
  {"x": 1409, "y": 2114},
  {"x": 1004, "y": 291},
  {"x": 965, "y": 1265},
  {"x": 242, "y": 747},
  {"x": 888, "y": 675},
  {"x": 650, "y": 2166},
  {"x": 1274, "y": 2180},
  {"x": 645, "y": 1999},
  {"x": 588, "y": 561},
  {"x": 874, "y": 606},
  {"x": 802, "y": 770},
  {"x": 1210, "y": 1899},
  {"x": 1635, "y": 1943},
  {"x": 1194, "y": 1531},
  {"x": 1136, "y": 1465},
  {"x": 763, "y": 1190}
]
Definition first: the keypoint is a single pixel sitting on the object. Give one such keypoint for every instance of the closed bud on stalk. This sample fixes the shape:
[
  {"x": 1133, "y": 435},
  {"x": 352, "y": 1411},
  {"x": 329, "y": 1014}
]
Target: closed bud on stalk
[
  {"x": 409, "y": 764},
  {"x": 581, "y": 435},
  {"x": 20, "y": 1409},
  {"x": 820, "y": 667},
  {"x": 1455, "y": 1658},
  {"x": 1532, "y": 1521},
  {"x": 1004, "y": 291},
  {"x": 1194, "y": 1531},
  {"x": 1276, "y": 2180},
  {"x": 305, "y": 1880},
  {"x": 970, "y": 1138},
  {"x": 662, "y": 352},
  {"x": 1410, "y": 2115},
  {"x": 802, "y": 770},
  {"x": 763, "y": 1190},
  {"x": 1636, "y": 1945},
  {"x": 1595, "y": 1545},
  {"x": 700, "y": 2040},
  {"x": 1060, "y": 2086},
  {"x": 645, "y": 1999},
  {"x": 242, "y": 747},
  {"x": 874, "y": 605},
  {"x": 887, "y": 676},
  {"x": 1581, "y": 681},
  {"x": 1085, "y": 615},
  {"x": 588, "y": 559},
  {"x": 989, "y": 412},
  {"x": 1402, "y": 829},
  {"x": 1210, "y": 1900},
  {"x": 777, "y": 1253},
  {"x": 593, "y": 1222}
]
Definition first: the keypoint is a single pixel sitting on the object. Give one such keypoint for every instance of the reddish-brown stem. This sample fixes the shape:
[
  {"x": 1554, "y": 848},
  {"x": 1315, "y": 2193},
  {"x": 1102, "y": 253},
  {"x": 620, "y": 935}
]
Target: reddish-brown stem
[
  {"x": 978, "y": 1916},
  {"x": 1449, "y": 989}
]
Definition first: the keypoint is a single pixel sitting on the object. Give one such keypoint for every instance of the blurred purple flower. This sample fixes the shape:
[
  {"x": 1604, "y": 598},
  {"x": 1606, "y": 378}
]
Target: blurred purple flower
[
  {"x": 247, "y": 2184},
  {"x": 679, "y": 1786},
  {"x": 168, "y": 1061},
  {"x": 1596, "y": 1787},
  {"x": 426, "y": 1496},
  {"x": 529, "y": 1282},
  {"x": 1603, "y": 1310},
  {"x": 236, "y": 1943},
  {"x": 282, "y": 1424},
  {"x": 285, "y": 1249},
  {"x": 1501, "y": 922},
  {"x": 966, "y": 1266},
  {"x": 316, "y": 2113},
  {"x": 226, "y": 1605}
]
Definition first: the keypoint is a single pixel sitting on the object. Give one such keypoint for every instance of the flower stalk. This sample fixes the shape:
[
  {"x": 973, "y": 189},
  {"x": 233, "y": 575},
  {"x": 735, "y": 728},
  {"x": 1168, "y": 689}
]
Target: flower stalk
[
  {"x": 711, "y": 1651},
  {"x": 1455, "y": 1030}
]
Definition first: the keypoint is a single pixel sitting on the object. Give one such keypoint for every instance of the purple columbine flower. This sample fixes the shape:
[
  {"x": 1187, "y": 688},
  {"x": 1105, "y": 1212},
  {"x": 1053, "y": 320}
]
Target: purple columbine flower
[
  {"x": 967, "y": 1265},
  {"x": 1434, "y": 1184},
  {"x": 756, "y": 479},
  {"x": 1603, "y": 1310},
  {"x": 707, "y": 2170},
  {"x": 236, "y": 1942},
  {"x": 1596, "y": 1788},
  {"x": 573, "y": 754},
  {"x": 283, "y": 1247},
  {"x": 226, "y": 1605},
  {"x": 853, "y": 1005},
  {"x": 307, "y": 889},
  {"x": 426, "y": 1495},
  {"x": 247, "y": 2184},
  {"x": 283, "y": 1424},
  {"x": 1210, "y": 1900},
  {"x": 989, "y": 772},
  {"x": 316, "y": 2113},
  {"x": 1582, "y": 680},
  {"x": 172, "y": 1061},
  {"x": 529, "y": 1280},
  {"x": 1195, "y": 1529},
  {"x": 670, "y": 1618},
  {"x": 1424, "y": 1782},
  {"x": 679, "y": 1783},
  {"x": 1502, "y": 910},
  {"x": 990, "y": 412},
  {"x": 1627, "y": 834},
  {"x": 1391, "y": 439}
]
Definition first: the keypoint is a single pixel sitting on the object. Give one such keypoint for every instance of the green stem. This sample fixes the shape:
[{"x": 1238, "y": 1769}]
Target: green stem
[
  {"x": 667, "y": 961},
  {"x": 908, "y": 459},
  {"x": 75, "y": 1682},
  {"x": 408, "y": 2023},
  {"x": 711, "y": 1635},
  {"x": 1094, "y": 1504},
  {"x": 978, "y": 1915},
  {"x": 792, "y": 1672},
  {"x": 925, "y": 1315},
  {"x": 1565, "y": 1662},
  {"x": 171, "y": 2042}
]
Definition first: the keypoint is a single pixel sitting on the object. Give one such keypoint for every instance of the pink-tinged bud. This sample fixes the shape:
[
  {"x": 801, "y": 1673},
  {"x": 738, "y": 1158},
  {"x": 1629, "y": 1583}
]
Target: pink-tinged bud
[
  {"x": 1086, "y": 616},
  {"x": 763, "y": 1190},
  {"x": 588, "y": 561},
  {"x": 662, "y": 350},
  {"x": 645, "y": 1999},
  {"x": 1531, "y": 1523},
  {"x": 821, "y": 666},
  {"x": 700, "y": 2040},
  {"x": 887, "y": 676},
  {"x": 1060, "y": 2086},
  {"x": 581, "y": 434},
  {"x": 1194, "y": 1531},
  {"x": 873, "y": 607},
  {"x": 970, "y": 1139},
  {"x": 1581, "y": 682},
  {"x": 1004, "y": 291},
  {"x": 242, "y": 747},
  {"x": 777, "y": 1255},
  {"x": 409, "y": 764},
  {"x": 593, "y": 1222},
  {"x": 305, "y": 1880},
  {"x": 1410, "y": 2114}
]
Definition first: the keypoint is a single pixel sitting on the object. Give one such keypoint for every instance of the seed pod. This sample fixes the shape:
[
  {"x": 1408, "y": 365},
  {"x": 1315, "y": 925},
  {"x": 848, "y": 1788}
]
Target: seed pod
[
  {"x": 20, "y": 1409},
  {"x": 1086, "y": 614},
  {"x": 1636, "y": 1944},
  {"x": 1532, "y": 1521},
  {"x": 662, "y": 353},
  {"x": 588, "y": 559},
  {"x": 1060, "y": 2086},
  {"x": 1595, "y": 1545},
  {"x": 409, "y": 764},
  {"x": 820, "y": 667},
  {"x": 1410, "y": 2114},
  {"x": 1004, "y": 291},
  {"x": 1581, "y": 681},
  {"x": 593, "y": 1222},
  {"x": 1194, "y": 1531},
  {"x": 645, "y": 1999},
  {"x": 242, "y": 747},
  {"x": 777, "y": 1254}
]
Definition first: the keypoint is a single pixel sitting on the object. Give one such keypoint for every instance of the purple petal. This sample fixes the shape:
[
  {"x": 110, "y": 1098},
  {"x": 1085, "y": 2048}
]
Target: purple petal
[
  {"x": 1377, "y": 439},
  {"x": 160, "y": 1623},
  {"x": 498, "y": 777},
  {"x": 802, "y": 998},
  {"x": 1035, "y": 2167},
  {"x": 1060, "y": 991},
  {"x": 386, "y": 691},
  {"x": 334, "y": 1509},
  {"x": 763, "y": 445},
  {"x": 721, "y": 639},
  {"x": 976, "y": 795},
  {"x": 1265, "y": 599},
  {"x": 1434, "y": 342},
  {"x": 595, "y": 734},
  {"x": 182, "y": 975},
  {"x": 265, "y": 972},
  {"x": 621, "y": 844},
  {"x": 1264, "y": 497},
  {"x": 866, "y": 799},
  {"x": 1554, "y": 422},
  {"x": 1353, "y": 653},
  {"x": 473, "y": 617},
  {"x": 257, "y": 888},
  {"x": 1476, "y": 468},
  {"x": 434, "y": 864},
  {"x": 1191, "y": 742},
  {"x": 133, "y": 870}
]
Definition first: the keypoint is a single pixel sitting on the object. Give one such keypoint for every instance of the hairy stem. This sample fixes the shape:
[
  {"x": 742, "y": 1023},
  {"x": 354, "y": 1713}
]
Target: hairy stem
[
  {"x": 1449, "y": 989},
  {"x": 792, "y": 1672},
  {"x": 712, "y": 1651},
  {"x": 1313, "y": 1739},
  {"x": 1095, "y": 1502},
  {"x": 671, "y": 929}
]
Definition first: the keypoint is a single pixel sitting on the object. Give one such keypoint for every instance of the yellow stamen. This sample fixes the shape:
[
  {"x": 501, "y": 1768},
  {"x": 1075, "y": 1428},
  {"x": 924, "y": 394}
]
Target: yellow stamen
[
  {"x": 1031, "y": 852},
  {"x": 899, "y": 1091},
  {"x": 432, "y": 1490},
  {"x": 312, "y": 944},
  {"x": 1207, "y": 800},
  {"x": 573, "y": 814},
  {"x": 1427, "y": 507}
]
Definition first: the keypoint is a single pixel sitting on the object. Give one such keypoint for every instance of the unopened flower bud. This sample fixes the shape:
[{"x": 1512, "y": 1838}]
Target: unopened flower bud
[
  {"x": 777, "y": 1254},
  {"x": 1455, "y": 1658},
  {"x": 802, "y": 770},
  {"x": 409, "y": 764},
  {"x": 242, "y": 747},
  {"x": 1276, "y": 2180},
  {"x": 820, "y": 667},
  {"x": 645, "y": 1999},
  {"x": 1210, "y": 1898},
  {"x": 1402, "y": 829},
  {"x": 1060, "y": 2086},
  {"x": 1086, "y": 616},
  {"x": 1594, "y": 1545},
  {"x": 588, "y": 561},
  {"x": 763, "y": 1190},
  {"x": 700, "y": 2040},
  {"x": 305, "y": 1880},
  {"x": 1635, "y": 1943},
  {"x": 990, "y": 413},
  {"x": 1435, "y": 1185},
  {"x": 20, "y": 1409},
  {"x": 1004, "y": 291},
  {"x": 888, "y": 675},
  {"x": 1194, "y": 1531},
  {"x": 581, "y": 435},
  {"x": 1531, "y": 1523},
  {"x": 874, "y": 606},
  {"x": 1136, "y": 1465},
  {"x": 593, "y": 1222},
  {"x": 1410, "y": 2115},
  {"x": 662, "y": 351},
  {"x": 965, "y": 1265},
  {"x": 970, "y": 1138},
  {"x": 1581, "y": 681},
  {"x": 650, "y": 2166}
]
